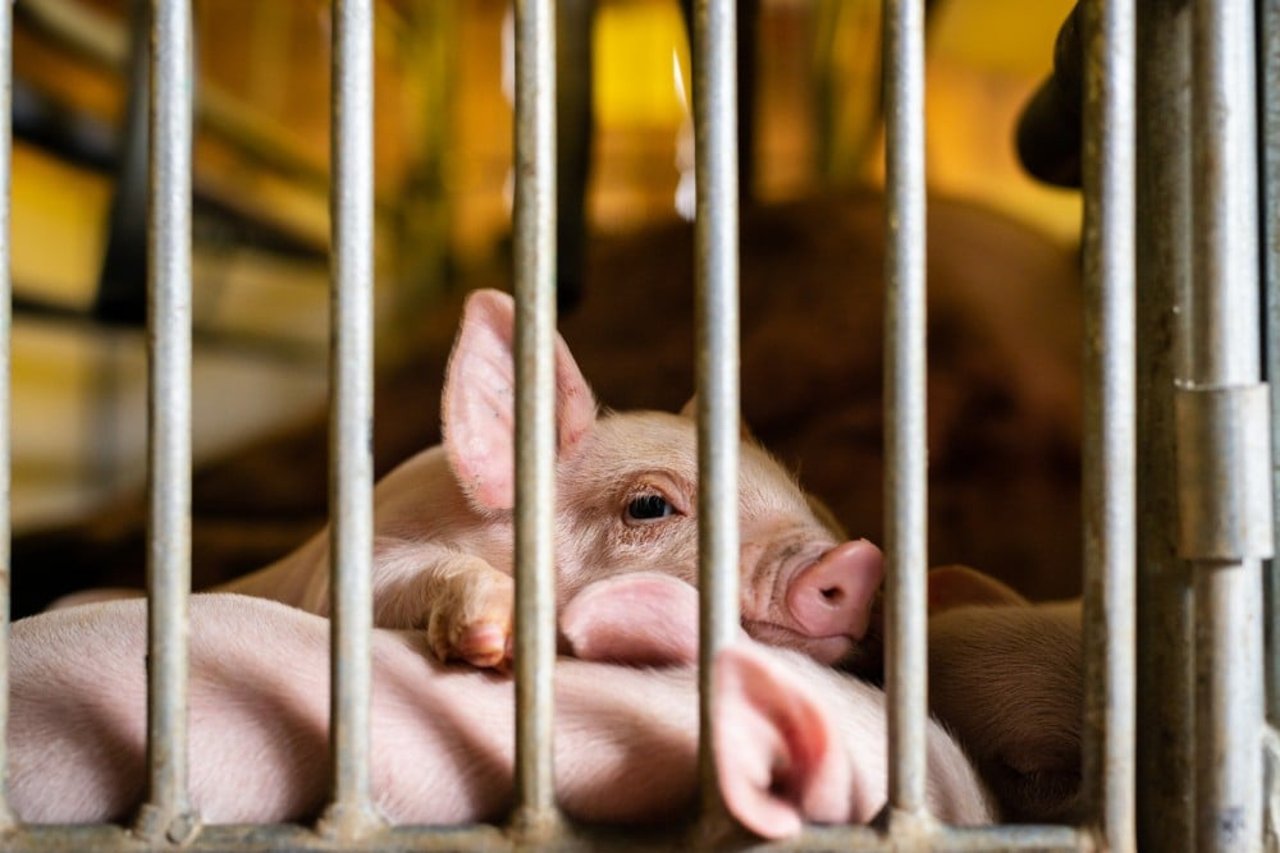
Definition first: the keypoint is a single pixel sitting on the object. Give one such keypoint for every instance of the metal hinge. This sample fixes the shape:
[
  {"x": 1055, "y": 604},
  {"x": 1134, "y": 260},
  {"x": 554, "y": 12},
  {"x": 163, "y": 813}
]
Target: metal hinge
[{"x": 1224, "y": 473}]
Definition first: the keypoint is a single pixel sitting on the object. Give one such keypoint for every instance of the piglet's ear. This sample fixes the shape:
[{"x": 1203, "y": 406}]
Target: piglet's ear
[
  {"x": 777, "y": 755},
  {"x": 478, "y": 407},
  {"x": 640, "y": 618},
  {"x": 961, "y": 586}
]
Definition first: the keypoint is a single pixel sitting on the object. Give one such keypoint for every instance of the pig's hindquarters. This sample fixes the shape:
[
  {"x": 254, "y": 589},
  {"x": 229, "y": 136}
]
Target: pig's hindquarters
[{"x": 441, "y": 745}]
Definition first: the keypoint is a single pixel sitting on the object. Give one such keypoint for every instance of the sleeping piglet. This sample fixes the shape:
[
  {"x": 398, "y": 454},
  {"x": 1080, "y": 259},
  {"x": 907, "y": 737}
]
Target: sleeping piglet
[
  {"x": 626, "y": 501},
  {"x": 1006, "y": 677},
  {"x": 795, "y": 740}
]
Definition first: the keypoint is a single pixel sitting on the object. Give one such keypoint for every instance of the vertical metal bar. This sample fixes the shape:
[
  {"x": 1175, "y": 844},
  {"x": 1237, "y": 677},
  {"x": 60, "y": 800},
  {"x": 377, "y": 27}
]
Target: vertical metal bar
[
  {"x": 716, "y": 279},
  {"x": 168, "y": 811},
  {"x": 351, "y": 814},
  {"x": 1109, "y": 417},
  {"x": 6, "y": 110},
  {"x": 1269, "y": 100},
  {"x": 1269, "y": 115},
  {"x": 1165, "y": 617},
  {"x": 535, "y": 281},
  {"x": 1225, "y": 352},
  {"x": 906, "y": 480}
]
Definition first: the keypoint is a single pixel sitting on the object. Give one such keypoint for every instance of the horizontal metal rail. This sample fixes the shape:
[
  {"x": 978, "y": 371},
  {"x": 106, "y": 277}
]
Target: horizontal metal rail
[{"x": 259, "y": 839}]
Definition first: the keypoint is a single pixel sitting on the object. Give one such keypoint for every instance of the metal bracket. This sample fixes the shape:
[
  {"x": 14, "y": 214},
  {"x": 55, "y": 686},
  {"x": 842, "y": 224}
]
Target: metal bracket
[{"x": 1224, "y": 473}]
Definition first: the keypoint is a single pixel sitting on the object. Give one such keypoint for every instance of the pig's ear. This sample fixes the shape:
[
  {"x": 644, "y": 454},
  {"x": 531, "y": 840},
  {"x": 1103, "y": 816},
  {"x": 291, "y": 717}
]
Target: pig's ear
[
  {"x": 778, "y": 756},
  {"x": 478, "y": 408},
  {"x": 961, "y": 586},
  {"x": 640, "y": 618}
]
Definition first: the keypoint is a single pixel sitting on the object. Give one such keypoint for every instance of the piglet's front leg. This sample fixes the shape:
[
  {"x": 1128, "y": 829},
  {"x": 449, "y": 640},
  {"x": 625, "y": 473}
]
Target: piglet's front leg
[{"x": 463, "y": 602}]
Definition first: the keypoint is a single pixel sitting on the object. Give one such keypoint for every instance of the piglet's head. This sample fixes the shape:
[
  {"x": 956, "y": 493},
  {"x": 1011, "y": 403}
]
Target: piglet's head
[{"x": 627, "y": 496}]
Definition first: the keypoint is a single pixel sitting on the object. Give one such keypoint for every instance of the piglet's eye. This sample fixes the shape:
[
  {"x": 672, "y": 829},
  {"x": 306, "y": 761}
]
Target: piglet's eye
[{"x": 649, "y": 508}]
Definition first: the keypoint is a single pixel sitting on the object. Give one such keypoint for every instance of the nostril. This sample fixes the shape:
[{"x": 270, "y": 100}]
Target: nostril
[{"x": 833, "y": 594}]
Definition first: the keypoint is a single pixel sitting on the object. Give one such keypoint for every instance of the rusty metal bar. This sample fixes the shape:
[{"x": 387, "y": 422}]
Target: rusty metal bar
[
  {"x": 167, "y": 813},
  {"x": 1109, "y": 418},
  {"x": 1165, "y": 604},
  {"x": 716, "y": 278},
  {"x": 6, "y": 290},
  {"x": 1220, "y": 523},
  {"x": 351, "y": 814},
  {"x": 906, "y": 471},
  {"x": 535, "y": 283}
]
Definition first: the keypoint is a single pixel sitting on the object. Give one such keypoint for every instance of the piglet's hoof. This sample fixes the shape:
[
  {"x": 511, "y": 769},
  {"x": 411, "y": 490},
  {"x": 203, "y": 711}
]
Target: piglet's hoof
[{"x": 474, "y": 625}]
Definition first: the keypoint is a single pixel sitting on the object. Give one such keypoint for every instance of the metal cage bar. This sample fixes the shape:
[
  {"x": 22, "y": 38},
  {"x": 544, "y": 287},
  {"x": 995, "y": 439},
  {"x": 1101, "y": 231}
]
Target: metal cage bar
[
  {"x": 351, "y": 814},
  {"x": 1165, "y": 607},
  {"x": 1269, "y": 99},
  {"x": 6, "y": 110},
  {"x": 906, "y": 475},
  {"x": 535, "y": 281},
  {"x": 1109, "y": 417},
  {"x": 1216, "y": 529},
  {"x": 167, "y": 813},
  {"x": 716, "y": 281}
]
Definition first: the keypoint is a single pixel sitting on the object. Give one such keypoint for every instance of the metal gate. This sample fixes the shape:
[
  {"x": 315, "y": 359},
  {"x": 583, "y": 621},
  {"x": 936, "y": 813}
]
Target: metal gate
[{"x": 1178, "y": 477}]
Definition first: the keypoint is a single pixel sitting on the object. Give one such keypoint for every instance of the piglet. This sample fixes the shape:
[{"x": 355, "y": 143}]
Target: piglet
[
  {"x": 796, "y": 740},
  {"x": 626, "y": 501},
  {"x": 652, "y": 619},
  {"x": 1006, "y": 677}
]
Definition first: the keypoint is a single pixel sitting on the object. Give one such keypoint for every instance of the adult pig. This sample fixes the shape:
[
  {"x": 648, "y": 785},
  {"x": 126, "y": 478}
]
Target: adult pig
[
  {"x": 626, "y": 500},
  {"x": 796, "y": 740}
]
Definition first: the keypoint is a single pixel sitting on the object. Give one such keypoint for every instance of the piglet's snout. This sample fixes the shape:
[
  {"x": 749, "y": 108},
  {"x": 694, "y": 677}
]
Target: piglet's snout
[{"x": 833, "y": 596}]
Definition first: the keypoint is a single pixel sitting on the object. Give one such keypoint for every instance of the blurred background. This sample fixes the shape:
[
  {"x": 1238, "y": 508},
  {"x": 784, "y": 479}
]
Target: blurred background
[{"x": 1004, "y": 330}]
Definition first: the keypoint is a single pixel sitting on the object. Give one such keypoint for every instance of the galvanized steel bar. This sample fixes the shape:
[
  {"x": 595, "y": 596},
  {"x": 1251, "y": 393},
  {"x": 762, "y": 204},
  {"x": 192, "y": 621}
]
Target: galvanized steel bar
[
  {"x": 1109, "y": 418},
  {"x": 167, "y": 813},
  {"x": 716, "y": 277},
  {"x": 264, "y": 839},
  {"x": 351, "y": 814},
  {"x": 1269, "y": 99},
  {"x": 6, "y": 290},
  {"x": 1165, "y": 604},
  {"x": 535, "y": 280},
  {"x": 1225, "y": 352},
  {"x": 906, "y": 474}
]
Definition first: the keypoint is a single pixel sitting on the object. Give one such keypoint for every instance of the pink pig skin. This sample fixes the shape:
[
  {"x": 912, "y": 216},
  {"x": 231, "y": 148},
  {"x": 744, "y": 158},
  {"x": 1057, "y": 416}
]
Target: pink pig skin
[
  {"x": 443, "y": 551},
  {"x": 798, "y": 741}
]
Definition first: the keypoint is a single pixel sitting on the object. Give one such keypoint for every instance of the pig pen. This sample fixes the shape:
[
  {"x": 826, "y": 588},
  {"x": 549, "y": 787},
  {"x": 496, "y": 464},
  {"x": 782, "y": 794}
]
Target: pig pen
[{"x": 1193, "y": 548}]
